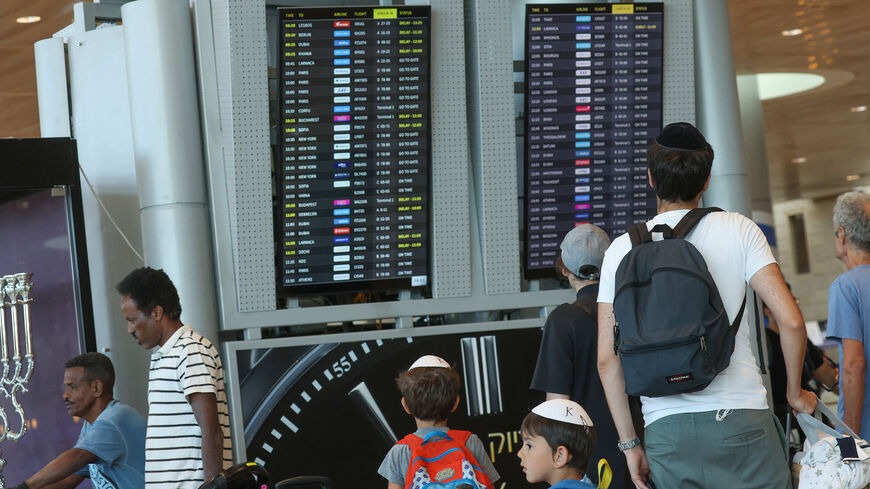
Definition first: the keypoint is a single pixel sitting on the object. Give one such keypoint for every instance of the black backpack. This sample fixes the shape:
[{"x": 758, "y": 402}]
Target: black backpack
[{"x": 672, "y": 332}]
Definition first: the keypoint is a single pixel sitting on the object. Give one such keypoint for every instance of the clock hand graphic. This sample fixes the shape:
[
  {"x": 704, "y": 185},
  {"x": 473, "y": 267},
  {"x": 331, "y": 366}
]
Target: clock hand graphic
[{"x": 334, "y": 409}]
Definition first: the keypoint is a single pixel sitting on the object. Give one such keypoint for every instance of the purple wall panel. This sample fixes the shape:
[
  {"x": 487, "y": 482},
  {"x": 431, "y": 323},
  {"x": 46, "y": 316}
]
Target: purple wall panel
[{"x": 34, "y": 237}]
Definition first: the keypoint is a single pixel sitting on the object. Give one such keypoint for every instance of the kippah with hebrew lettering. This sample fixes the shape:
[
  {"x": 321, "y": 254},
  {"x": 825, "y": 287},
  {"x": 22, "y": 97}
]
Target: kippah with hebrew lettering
[{"x": 563, "y": 410}]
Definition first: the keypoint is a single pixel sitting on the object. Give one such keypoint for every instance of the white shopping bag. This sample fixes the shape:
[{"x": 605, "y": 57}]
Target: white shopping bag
[{"x": 822, "y": 466}]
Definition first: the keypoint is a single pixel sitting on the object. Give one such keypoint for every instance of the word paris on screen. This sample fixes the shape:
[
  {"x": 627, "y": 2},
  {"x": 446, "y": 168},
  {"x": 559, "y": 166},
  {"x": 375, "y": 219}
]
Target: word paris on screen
[
  {"x": 593, "y": 104},
  {"x": 354, "y": 148}
]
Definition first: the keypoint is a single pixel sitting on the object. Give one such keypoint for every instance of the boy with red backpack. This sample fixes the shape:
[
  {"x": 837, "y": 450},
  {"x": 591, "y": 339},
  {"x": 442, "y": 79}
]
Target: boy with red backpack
[{"x": 434, "y": 455}]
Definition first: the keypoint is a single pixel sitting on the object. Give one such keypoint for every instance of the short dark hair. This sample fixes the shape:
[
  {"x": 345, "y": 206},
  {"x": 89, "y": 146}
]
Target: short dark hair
[
  {"x": 679, "y": 175},
  {"x": 151, "y": 288},
  {"x": 429, "y": 392},
  {"x": 578, "y": 440},
  {"x": 97, "y": 367}
]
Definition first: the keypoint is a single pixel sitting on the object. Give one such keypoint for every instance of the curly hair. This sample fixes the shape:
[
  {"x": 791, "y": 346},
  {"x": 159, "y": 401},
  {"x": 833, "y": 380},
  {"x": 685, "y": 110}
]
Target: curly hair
[
  {"x": 151, "y": 288},
  {"x": 429, "y": 392},
  {"x": 852, "y": 211},
  {"x": 578, "y": 440},
  {"x": 97, "y": 367}
]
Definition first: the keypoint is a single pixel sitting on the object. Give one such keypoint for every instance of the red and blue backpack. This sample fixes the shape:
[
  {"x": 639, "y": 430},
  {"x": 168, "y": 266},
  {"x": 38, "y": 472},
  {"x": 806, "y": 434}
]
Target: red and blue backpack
[{"x": 442, "y": 461}]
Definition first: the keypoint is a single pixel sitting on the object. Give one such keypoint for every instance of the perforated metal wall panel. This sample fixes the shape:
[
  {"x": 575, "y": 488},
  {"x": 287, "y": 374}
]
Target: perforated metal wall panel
[
  {"x": 451, "y": 222},
  {"x": 494, "y": 142},
  {"x": 240, "y": 58},
  {"x": 678, "y": 100}
]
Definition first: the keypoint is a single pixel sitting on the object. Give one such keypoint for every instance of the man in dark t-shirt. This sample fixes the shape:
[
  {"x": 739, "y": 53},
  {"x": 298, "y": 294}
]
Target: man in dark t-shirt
[
  {"x": 817, "y": 367},
  {"x": 567, "y": 360}
]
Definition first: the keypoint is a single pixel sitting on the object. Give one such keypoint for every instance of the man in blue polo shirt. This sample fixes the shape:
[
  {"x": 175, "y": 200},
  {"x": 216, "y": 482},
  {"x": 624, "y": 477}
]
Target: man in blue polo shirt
[
  {"x": 111, "y": 446},
  {"x": 849, "y": 308}
]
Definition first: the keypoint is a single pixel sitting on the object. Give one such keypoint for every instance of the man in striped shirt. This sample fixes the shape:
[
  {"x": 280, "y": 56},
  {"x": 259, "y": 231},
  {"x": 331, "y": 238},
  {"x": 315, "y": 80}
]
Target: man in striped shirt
[{"x": 188, "y": 438}]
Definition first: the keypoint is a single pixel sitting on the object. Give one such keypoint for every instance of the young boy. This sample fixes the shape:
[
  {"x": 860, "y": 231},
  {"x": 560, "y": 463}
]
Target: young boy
[
  {"x": 430, "y": 392},
  {"x": 558, "y": 438}
]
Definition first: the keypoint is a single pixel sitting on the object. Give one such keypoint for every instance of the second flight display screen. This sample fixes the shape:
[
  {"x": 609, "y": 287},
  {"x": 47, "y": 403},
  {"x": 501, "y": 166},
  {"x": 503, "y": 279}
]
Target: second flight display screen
[
  {"x": 593, "y": 105},
  {"x": 354, "y": 147}
]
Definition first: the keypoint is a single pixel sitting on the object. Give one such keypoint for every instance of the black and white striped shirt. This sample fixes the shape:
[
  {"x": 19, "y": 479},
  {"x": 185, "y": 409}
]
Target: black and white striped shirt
[{"x": 186, "y": 364}]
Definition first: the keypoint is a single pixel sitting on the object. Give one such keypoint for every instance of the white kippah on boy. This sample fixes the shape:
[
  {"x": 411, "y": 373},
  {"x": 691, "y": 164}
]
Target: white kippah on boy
[
  {"x": 564, "y": 410},
  {"x": 558, "y": 441},
  {"x": 429, "y": 361}
]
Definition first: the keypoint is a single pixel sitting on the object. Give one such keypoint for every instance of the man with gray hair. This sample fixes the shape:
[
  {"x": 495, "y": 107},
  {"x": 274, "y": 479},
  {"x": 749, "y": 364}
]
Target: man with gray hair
[{"x": 849, "y": 307}]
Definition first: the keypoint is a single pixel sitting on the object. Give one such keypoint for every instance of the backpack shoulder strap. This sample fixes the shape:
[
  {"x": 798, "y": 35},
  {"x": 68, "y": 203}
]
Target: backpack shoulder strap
[
  {"x": 460, "y": 436},
  {"x": 736, "y": 324},
  {"x": 682, "y": 229},
  {"x": 639, "y": 234},
  {"x": 415, "y": 444},
  {"x": 413, "y": 441}
]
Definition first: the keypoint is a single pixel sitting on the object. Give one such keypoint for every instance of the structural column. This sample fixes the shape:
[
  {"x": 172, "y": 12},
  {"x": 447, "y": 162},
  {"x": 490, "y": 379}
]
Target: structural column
[
  {"x": 752, "y": 118},
  {"x": 718, "y": 108},
  {"x": 718, "y": 112},
  {"x": 168, "y": 150}
]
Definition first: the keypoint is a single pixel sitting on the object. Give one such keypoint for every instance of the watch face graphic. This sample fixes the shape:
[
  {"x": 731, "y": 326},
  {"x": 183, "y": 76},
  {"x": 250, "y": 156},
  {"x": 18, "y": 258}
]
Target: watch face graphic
[{"x": 334, "y": 409}]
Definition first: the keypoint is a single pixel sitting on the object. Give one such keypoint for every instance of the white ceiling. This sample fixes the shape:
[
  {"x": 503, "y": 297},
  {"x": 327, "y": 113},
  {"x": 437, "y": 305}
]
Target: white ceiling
[{"x": 817, "y": 125}]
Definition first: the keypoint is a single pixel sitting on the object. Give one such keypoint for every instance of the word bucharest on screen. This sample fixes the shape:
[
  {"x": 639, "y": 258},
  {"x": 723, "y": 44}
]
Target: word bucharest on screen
[{"x": 353, "y": 172}]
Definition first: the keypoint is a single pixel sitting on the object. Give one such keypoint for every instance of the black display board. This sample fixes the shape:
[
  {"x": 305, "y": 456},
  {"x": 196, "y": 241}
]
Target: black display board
[
  {"x": 593, "y": 104},
  {"x": 354, "y": 148},
  {"x": 334, "y": 409}
]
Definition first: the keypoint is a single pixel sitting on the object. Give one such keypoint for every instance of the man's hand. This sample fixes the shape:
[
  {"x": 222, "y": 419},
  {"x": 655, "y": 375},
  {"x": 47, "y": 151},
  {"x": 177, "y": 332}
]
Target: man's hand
[
  {"x": 635, "y": 458},
  {"x": 803, "y": 402}
]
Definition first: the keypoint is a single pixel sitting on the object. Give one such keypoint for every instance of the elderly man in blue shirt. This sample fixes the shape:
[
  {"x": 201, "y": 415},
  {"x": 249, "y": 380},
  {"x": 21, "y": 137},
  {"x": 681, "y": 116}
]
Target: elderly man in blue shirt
[{"x": 849, "y": 308}]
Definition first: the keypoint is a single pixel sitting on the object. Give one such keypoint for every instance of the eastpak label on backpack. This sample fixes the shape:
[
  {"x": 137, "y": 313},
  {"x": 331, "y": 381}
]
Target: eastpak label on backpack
[
  {"x": 442, "y": 461},
  {"x": 672, "y": 333}
]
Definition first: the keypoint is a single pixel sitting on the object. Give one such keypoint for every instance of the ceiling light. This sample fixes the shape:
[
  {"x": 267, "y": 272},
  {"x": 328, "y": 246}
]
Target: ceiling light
[
  {"x": 860, "y": 108},
  {"x": 773, "y": 85},
  {"x": 792, "y": 32},
  {"x": 852, "y": 178},
  {"x": 799, "y": 159},
  {"x": 28, "y": 19}
]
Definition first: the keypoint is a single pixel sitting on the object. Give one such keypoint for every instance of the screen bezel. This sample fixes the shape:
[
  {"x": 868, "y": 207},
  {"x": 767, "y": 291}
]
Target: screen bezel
[
  {"x": 387, "y": 284},
  {"x": 553, "y": 271}
]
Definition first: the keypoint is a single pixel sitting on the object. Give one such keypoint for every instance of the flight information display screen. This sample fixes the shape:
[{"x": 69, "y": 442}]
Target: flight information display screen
[
  {"x": 593, "y": 105},
  {"x": 354, "y": 147}
]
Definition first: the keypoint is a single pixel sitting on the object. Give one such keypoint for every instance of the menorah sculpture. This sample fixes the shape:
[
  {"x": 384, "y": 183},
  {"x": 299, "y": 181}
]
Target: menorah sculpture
[{"x": 15, "y": 296}]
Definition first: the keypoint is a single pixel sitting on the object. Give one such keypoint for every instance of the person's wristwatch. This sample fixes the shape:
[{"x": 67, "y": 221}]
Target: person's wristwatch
[{"x": 625, "y": 445}]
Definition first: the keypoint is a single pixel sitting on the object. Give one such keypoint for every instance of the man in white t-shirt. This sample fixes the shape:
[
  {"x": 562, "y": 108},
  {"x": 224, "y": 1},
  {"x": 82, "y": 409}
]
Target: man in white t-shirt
[{"x": 724, "y": 435}]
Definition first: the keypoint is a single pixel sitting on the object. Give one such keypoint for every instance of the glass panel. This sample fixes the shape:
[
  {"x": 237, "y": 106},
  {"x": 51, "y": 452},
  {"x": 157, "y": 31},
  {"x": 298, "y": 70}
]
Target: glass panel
[{"x": 35, "y": 228}]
